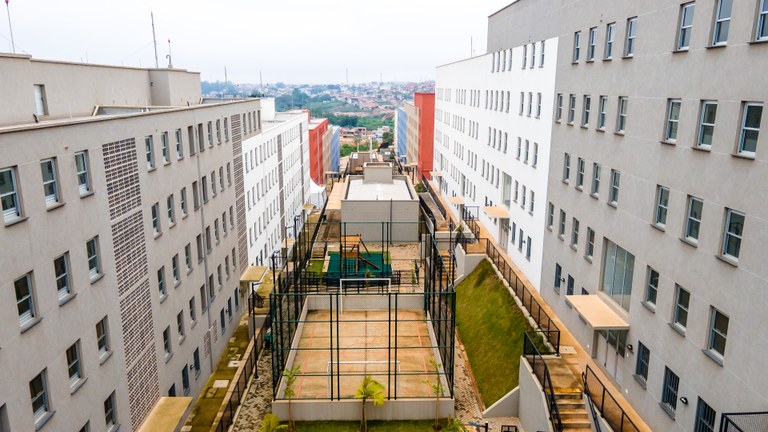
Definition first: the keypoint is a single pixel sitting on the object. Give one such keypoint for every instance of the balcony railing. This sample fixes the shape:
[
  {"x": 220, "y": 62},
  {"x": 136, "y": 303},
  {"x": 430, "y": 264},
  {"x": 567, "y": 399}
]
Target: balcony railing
[
  {"x": 611, "y": 411},
  {"x": 744, "y": 422},
  {"x": 534, "y": 357}
]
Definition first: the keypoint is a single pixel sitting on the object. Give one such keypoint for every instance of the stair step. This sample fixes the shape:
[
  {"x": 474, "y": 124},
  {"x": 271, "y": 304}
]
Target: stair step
[
  {"x": 577, "y": 429},
  {"x": 577, "y": 423},
  {"x": 573, "y": 413}
]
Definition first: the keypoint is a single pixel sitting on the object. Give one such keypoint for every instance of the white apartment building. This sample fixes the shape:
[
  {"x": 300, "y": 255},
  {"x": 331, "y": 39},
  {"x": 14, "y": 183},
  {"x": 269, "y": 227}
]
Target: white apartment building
[
  {"x": 492, "y": 144},
  {"x": 122, "y": 202},
  {"x": 277, "y": 179}
]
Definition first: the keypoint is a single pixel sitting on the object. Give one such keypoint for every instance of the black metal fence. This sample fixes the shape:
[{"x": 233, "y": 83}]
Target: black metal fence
[
  {"x": 611, "y": 411},
  {"x": 237, "y": 391},
  {"x": 744, "y": 422},
  {"x": 435, "y": 196},
  {"x": 532, "y": 353}
]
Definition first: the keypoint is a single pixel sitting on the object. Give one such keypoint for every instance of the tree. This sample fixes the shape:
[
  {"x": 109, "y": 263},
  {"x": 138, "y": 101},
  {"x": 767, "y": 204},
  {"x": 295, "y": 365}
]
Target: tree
[
  {"x": 369, "y": 389},
  {"x": 387, "y": 139},
  {"x": 290, "y": 378},
  {"x": 270, "y": 423},
  {"x": 437, "y": 390}
]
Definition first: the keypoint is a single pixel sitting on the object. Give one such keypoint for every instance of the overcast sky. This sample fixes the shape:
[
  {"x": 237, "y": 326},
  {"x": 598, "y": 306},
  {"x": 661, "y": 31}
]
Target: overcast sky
[{"x": 299, "y": 41}]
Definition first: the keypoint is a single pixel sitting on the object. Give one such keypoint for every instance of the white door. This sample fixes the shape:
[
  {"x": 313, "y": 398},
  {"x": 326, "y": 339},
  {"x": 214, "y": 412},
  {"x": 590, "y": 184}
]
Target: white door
[{"x": 607, "y": 356}]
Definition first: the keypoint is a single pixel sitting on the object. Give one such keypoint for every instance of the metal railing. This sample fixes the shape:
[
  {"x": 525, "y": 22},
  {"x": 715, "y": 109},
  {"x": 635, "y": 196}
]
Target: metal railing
[
  {"x": 744, "y": 422},
  {"x": 609, "y": 408},
  {"x": 592, "y": 410},
  {"x": 536, "y": 360},
  {"x": 435, "y": 196},
  {"x": 237, "y": 391}
]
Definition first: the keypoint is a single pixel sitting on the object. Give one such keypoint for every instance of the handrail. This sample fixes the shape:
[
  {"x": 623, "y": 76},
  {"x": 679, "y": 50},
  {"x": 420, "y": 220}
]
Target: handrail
[
  {"x": 591, "y": 404},
  {"x": 536, "y": 360},
  {"x": 435, "y": 198},
  {"x": 614, "y": 415}
]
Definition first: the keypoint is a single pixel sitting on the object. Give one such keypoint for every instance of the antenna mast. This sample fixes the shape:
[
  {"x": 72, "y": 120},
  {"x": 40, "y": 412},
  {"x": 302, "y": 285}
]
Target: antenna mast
[
  {"x": 154, "y": 39},
  {"x": 8, "y": 9},
  {"x": 170, "y": 62}
]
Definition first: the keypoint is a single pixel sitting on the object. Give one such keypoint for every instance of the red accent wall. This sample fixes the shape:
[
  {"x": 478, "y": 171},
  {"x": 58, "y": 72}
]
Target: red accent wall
[
  {"x": 426, "y": 104},
  {"x": 316, "y": 169}
]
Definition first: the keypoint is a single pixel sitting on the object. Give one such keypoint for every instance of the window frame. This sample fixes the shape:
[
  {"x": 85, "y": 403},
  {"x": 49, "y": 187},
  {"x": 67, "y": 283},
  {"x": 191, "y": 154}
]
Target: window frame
[
  {"x": 643, "y": 362},
  {"x": 661, "y": 208},
  {"x": 110, "y": 412},
  {"x": 103, "y": 342},
  {"x": 622, "y": 115},
  {"x": 704, "y": 124},
  {"x": 720, "y": 36},
  {"x": 14, "y": 213},
  {"x": 592, "y": 44},
  {"x": 670, "y": 389},
  {"x": 610, "y": 39},
  {"x": 74, "y": 356},
  {"x": 586, "y": 109},
  {"x": 680, "y": 312},
  {"x": 580, "y": 170},
  {"x": 596, "y": 173},
  {"x": 652, "y": 278},
  {"x": 761, "y": 29},
  {"x": 51, "y": 200},
  {"x": 728, "y": 235},
  {"x": 744, "y": 129},
  {"x": 576, "y": 47},
  {"x": 30, "y": 314},
  {"x": 613, "y": 193},
  {"x": 630, "y": 36},
  {"x": 691, "y": 221},
  {"x": 602, "y": 113},
  {"x": 566, "y": 167},
  {"x": 685, "y": 26},
  {"x": 44, "y": 410},
  {"x": 84, "y": 174},
  {"x": 63, "y": 292},
  {"x": 93, "y": 257},
  {"x": 706, "y": 417},
  {"x": 715, "y": 333},
  {"x": 672, "y": 126},
  {"x": 559, "y": 108},
  {"x": 571, "y": 108}
]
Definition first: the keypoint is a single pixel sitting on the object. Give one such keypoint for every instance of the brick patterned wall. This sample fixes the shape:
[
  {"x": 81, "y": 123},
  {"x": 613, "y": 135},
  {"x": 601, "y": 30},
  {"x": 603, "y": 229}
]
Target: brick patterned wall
[
  {"x": 122, "y": 175},
  {"x": 242, "y": 231},
  {"x": 143, "y": 388},
  {"x": 136, "y": 316},
  {"x": 130, "y": 251}
]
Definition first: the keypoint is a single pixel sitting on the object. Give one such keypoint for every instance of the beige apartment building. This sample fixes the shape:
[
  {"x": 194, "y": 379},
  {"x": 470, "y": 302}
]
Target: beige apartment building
[
  {"x": 411, "y": 132},
  {"x": 123, "y": 237}
]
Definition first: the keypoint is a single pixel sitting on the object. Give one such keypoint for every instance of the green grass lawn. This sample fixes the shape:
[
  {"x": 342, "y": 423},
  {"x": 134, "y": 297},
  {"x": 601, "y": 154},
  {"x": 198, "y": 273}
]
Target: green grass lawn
[
  {"x": 373, "y": 426},
  {"x": 491, "y": 327},
  {"x": 315, "y": 266}
]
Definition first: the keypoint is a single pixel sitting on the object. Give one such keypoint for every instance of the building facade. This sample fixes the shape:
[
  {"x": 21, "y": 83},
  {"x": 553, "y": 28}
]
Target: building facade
[
  {"x": 411, "y": 133},
  {"x": 492, "y": 141},
  {"x": 401, "y": 125},
  {"x": 319, "y": 146},
  {"x": 647, "y": 215},
  {"x": 122, "y": 194},
  {"x": 335, "y": 149},
  {"x": 420, "y": 132}
]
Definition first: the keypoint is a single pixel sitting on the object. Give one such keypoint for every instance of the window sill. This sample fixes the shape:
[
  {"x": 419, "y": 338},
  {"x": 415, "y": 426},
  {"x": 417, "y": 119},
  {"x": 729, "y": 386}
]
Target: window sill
[
  {"x": 640, "y": 380},
  {"x": 104, "y": 357},
  {"x": 668, "y": 410},
  {"x": 588, "y": 259},
  {"x": 97, "y": 278},
  {"x": 114, "y": 428},
  {"x": 595, "y": 195},
  {"x": 744, "y": 156},
  {"x": 648, "y": 306},
  {"x": 566, "y": 181},
  {"x": 613, "y": 204},
  {"x": 728, "y": 260},
  {"x": 758, "y": 41},
  {"x": 607, "y": 59},
  {"x": 677, "y": 328},
  {"x": 55, "y": 206},
  {"x": 76, "y": 386},
  {"x": 182, "y": 339},
  {"x": 15, "y": 221},
  {"x": 659, "y": 227},
  {"x": 628, "y": 56},
  {"x": 585, "y": 126},
  {"x": 171, "y": 225},
  {"x": 600, "y": 129},
  {"x": 157, "y": 235},
  {"x": 166, "y": 163},
  {"x": 168, "y": 357},
  {"x": 574, "y": 247},
  {"x": 689, "y": 242},
  {"x": 570, "y": 123},
  {"x": 715, "y": 357},
  {"x": 550, "y": 228},
  {"x": 29, "y": 324},
  {"x": 619, "y": 133},
  {"x": 67, "y": 298},
  {"x": 163, "y": 297},
  {"x": 702, "y": 148},
  {"x": 715, "y": 46},
  {"x": 176, "y": 283},
  {"x": 87, "y": 194},
  {"x": 184, "y": 216},
  {"x": 680, "y": 50},
  {"x": 561, "y": 237},
  {"x": 151, "y": 169},
  {"x": 39, "y": 423},
  {"x": 189, "y": 270},
  {"x": 192, "y": 324},
  {"x": 668, "y": 142}
]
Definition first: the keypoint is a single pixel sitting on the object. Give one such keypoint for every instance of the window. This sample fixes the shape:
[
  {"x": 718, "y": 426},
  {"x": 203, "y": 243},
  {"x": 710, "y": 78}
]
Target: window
[
  {"x": 652, "y": 286},
  {"x": 222, "y": 321},
  {"x": 183, "y": 202},
  {"x": 38, "y": 391},
  {"x": 566, "y": 166},
  {"x": 531, "y": 203},
  {"x": 561, "y": 230},
  {"x": 722, "y": 22},
  {"x": 74, "y": 366},
  {"x": 92, "y": 251},
  {"x": 613, "y": 195},
  {"x": 226, "y": 129},
  {"x": 673, "y": 119},
  {"x": 102, "y": 336},
  {"x": 580, "y": 173},
  {"x": 718, "y": 333},
  {"x": 705, "y": 417},
  {"x": 533, "y": 55},
  {"x": 601, "y": 115},
  {"x": 629, "y": 43},
  {"x": 167, "y": 343},
  {"x": 750, "y": 127},
  {"x": 210, "y": 134},
  {"x": 734, "y": 228},
  {"x": 179, "y": 149},
  {"x": 575, "y": 233},
  {"x": 161, "y": 282},
  {"x": 693, "y": 220},
  {"x": 535, "y": 155},
  {"x": 9, "y": 195},
  {"x": 643, "y": 358},
  {"x": 569, "y": 285},
  {"x": 669, "y": 393},
  {"x": 621, "y": 120},
  {"x": 204, "y": 187},
  {"x": 149, "y": 148},
  {"x": 610, "y": 36},
  {"x": 541, "y": 56},
  {"x": 175, "y": 269},
  {"x": 682, "y": 299},
  {"x": 527, "y": 151},
  {"x": 558, "y": 277},
  {"x": 156, "y": 218},
  {"x": 188, "y": 257},
  {"x": 192, "y": 312},
  {"x": 585, "y": 110},
  {"x": 590, "y": 243},
  {"x": 166, "y": 151},
  {"x": 180, "y": 325},
  {"x": 576, "y": 46},
  {"x": 662, "y": 205},
  {"x": 185, "y": 379},
  {"x": 617, "y": 274},
  {"x": 218, "y": 131},
  {"x": 203, "y": 299},
  {"x": 530, "y": 103},
  {"x": 707, "y": 123},
  {"x": 528, "y": 249},
  {"x": 592, "y": 44},
  {"x": 538, "y": 105},
  {"x": 25, "y": 299},
  {"x": 50, "y": 184},
  {"x": 41, "y": 102},
  {"x": 762, "y": 21},
  {"x": 525, "y": 55},
  {"x": 61, "y": 269},
  {"x": 595, "y": 179},
  {"x": 171, "y": 210},
  {"x": 110, "y": 412},
  {"x": 550, "y": 215},
  {"x": 571, "y": 108},
  {"x": 559, "y": 109},
  {"x": 522, "y": 102},
  {"x": 83, "y": 176},
  {"x": 686, "y": 26}
]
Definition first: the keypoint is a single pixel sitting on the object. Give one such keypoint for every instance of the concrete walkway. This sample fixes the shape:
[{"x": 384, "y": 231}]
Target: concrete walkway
[{"x": 576, "y": 361}]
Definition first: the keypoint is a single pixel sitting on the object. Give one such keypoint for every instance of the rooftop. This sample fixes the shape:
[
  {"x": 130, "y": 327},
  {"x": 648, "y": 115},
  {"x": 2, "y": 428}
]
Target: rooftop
[{"x": 360, "y": 190}]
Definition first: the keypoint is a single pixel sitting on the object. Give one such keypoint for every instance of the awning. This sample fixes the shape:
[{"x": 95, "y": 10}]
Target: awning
[
  {"x": 596, "y": 313},
  {"x": 167, "y": 414},
  {"x": 436, "y": 173},
  {"x": 253, "y": 274},
  {"x": 496, "y": 212},
  {"x": 456, "y": 200}
]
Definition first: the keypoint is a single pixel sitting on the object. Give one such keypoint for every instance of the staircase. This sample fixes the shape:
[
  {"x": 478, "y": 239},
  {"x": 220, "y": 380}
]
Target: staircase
[
  {"x": 573, "y": 411},
  {"x": 447, "y": 265}
]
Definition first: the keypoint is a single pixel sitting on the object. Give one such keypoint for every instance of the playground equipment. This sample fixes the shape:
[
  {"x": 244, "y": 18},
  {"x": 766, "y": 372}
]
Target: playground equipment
[{"x": 350, "y": 249}]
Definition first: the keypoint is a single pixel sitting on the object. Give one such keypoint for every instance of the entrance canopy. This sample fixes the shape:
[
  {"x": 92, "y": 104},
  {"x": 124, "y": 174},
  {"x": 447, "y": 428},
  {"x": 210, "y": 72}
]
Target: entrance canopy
[
  {"x": 456, "y": 200},
  {"x": 436, "y": 173},
  {"x": 596, "y": 313},
  {"x": 496, "y": 212}
]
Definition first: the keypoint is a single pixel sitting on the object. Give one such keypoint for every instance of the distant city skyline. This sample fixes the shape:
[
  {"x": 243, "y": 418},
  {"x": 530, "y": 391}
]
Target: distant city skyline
[{"x": 290, "y": 42}]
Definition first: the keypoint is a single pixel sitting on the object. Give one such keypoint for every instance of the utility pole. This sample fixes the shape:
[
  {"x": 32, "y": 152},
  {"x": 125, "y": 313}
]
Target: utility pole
[
  {"x": 154, "y": 39},
  {"x": 10, "y": 27},
  {"x": 170, "y": 60}
]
